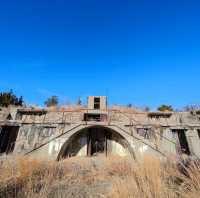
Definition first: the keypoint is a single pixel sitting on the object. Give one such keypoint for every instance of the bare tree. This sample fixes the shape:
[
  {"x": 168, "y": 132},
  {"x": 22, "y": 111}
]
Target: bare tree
[
  {"x": 51, "y": 101},
  {"x": 79, "y": 101},
  {"x": 192, "y": 108}
]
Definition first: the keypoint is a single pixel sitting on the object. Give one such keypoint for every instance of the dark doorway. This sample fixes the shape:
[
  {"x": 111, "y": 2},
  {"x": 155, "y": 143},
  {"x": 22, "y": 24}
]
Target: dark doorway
[
  {"x": 97, "y": 141},
  {"x": 8, "y": 136},
  {"x": 198, "y": 132},
  {"x": 95, "y": 117},
  {"x": 182, "y": 140},
  {"x": 92, "y": 117}
]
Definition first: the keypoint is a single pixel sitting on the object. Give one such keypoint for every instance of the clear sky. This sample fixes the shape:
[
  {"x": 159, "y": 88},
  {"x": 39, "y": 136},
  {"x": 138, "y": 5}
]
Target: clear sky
[{"x": 145, "y": 52}]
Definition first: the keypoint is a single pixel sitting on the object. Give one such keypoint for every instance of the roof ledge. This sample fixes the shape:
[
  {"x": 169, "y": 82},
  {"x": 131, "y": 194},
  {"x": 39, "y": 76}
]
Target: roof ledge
[{"x": 160, "y": 114}]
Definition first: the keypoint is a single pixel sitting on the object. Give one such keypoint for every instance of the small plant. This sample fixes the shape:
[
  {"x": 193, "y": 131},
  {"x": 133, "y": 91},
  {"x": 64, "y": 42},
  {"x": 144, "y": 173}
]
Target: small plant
[
  {"x": 129, "y": 105},
  {"x": 147, "y": 109},
  {"x": 165, "y": 108}
]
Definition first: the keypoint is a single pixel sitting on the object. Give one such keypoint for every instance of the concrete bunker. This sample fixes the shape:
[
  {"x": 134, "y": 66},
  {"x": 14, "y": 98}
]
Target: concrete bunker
[{"x": 96, "y": 141}]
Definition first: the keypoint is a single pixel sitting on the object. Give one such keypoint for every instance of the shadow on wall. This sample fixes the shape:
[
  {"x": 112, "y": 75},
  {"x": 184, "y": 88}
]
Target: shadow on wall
[{"x": 8, "y": 136}]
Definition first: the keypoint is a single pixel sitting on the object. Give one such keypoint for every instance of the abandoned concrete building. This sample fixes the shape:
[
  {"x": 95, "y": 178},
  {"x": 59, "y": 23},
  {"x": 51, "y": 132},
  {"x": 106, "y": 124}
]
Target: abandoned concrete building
[{"x": 94, "y": 130}]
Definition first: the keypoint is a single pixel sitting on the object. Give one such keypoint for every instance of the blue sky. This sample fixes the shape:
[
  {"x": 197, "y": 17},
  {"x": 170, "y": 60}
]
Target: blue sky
[{"x": 142, "y": 52}]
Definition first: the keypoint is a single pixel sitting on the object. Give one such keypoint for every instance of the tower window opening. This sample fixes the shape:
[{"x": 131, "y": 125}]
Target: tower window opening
[{"x": 96, "y": 103}]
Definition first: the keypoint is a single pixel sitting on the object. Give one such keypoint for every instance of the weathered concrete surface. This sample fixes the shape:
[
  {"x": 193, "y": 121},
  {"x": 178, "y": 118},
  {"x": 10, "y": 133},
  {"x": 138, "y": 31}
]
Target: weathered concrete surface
[{"x": 50, "y": 132}]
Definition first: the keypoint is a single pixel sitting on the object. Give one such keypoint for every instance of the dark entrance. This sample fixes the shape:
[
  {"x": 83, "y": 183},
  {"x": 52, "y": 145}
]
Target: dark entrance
[
  {"x": 97, "y": 141},
  {"x": 8, "y": 136},
  {"x": 182, "y": 141}
]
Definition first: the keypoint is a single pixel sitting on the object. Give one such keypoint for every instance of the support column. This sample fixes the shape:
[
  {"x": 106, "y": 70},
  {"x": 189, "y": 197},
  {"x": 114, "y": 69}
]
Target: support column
[
  {"x": 89, "y": 144},
  {"x": 168, "y": 141},
  {"x": 193, "y": 142}
]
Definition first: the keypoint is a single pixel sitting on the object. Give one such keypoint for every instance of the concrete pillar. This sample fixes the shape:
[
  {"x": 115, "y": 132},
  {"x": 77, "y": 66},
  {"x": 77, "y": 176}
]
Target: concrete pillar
[
  {"x": 168, "y": 142},
  {"x": 193, "y": 142},
  {"x": 103, "y": 102},
  {"x": 91, "y": 102}
]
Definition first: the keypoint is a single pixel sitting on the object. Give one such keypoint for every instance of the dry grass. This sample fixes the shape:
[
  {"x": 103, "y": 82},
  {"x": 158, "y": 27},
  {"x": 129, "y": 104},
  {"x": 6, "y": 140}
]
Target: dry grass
[
  {"x": 147, "y": 179},
  {"x": 97, "y": 177}
]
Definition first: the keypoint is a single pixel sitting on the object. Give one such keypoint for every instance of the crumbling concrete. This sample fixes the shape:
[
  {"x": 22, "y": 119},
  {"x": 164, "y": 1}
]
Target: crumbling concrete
[{"x": 99, "y": 130}]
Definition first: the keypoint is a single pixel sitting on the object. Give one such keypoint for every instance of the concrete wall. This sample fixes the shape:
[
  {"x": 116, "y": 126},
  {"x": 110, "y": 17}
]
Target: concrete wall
[
  {"x": 194, "y": 142},
  {"x": 46, "y": 133},
  {"x": 52, "y": 148}
]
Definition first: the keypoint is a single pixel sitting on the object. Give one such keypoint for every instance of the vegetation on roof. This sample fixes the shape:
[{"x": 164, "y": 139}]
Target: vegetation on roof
[{"x": 165, "y": 108}]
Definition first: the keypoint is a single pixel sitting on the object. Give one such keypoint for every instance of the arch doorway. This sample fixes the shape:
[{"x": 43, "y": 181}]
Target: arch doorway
[{"x": 96, "y": 141}]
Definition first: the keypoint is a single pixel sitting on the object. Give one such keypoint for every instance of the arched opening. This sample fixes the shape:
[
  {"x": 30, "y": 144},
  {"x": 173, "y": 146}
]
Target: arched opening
[{"x": 96, "y": 141}]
